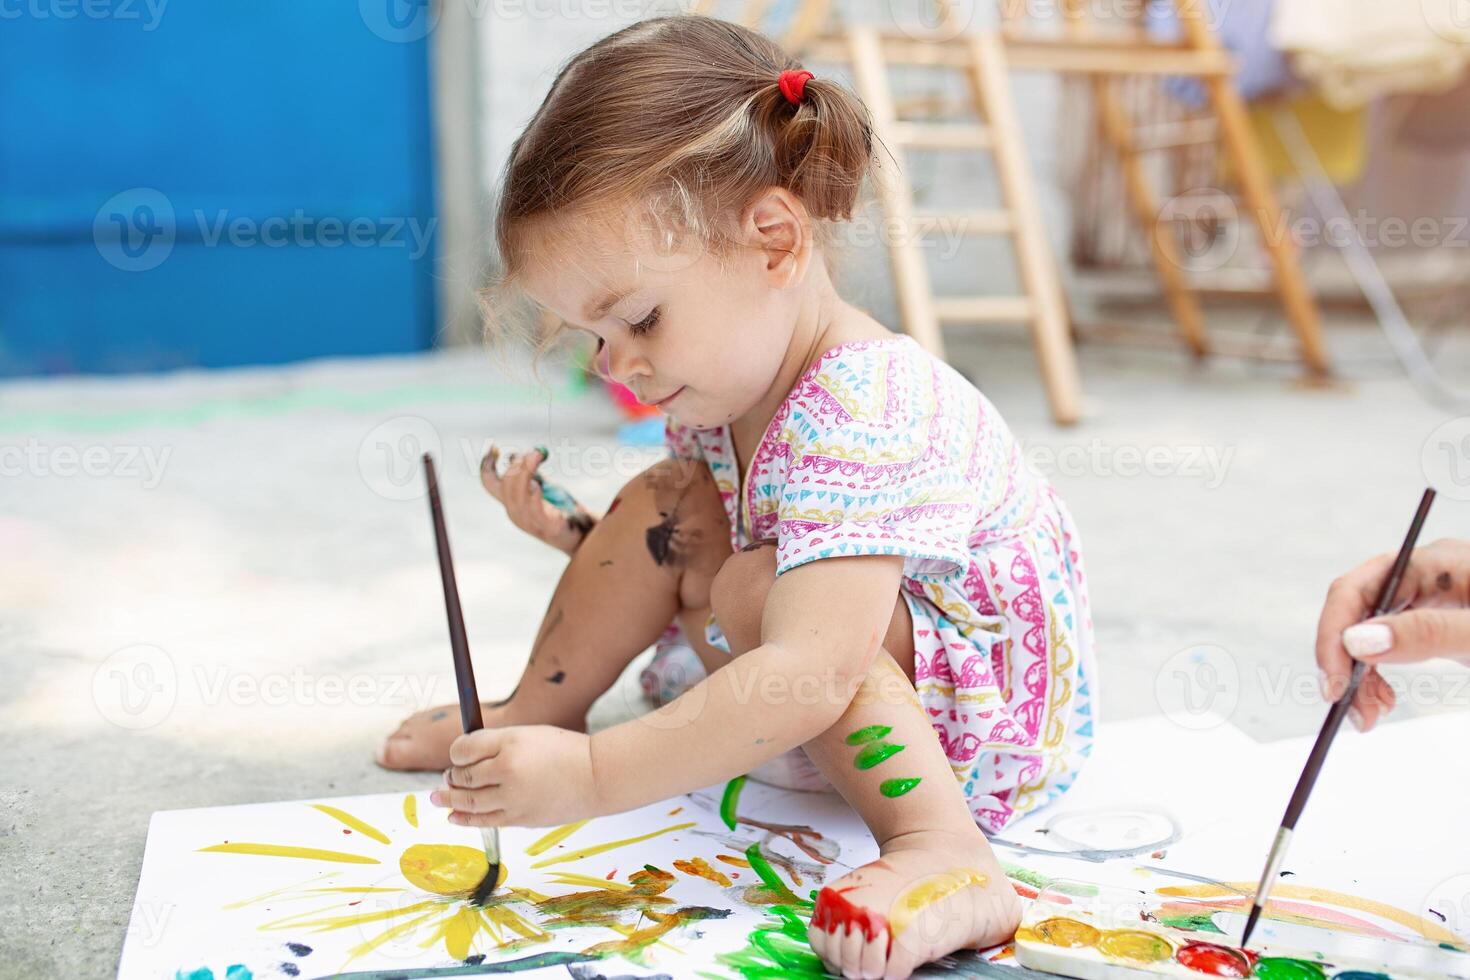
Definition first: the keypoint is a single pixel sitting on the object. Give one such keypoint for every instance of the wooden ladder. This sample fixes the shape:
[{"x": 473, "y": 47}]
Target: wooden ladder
[{"x": 1040, "y": 304}]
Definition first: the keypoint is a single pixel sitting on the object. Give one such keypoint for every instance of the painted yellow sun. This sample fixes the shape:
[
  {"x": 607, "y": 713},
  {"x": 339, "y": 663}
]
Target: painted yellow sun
[{"x": 436, "y": 909}]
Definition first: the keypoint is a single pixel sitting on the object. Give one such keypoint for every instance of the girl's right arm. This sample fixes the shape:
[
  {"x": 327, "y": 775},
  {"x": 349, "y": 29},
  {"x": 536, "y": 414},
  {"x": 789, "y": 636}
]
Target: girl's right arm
[{"x": 563, "y": 524}]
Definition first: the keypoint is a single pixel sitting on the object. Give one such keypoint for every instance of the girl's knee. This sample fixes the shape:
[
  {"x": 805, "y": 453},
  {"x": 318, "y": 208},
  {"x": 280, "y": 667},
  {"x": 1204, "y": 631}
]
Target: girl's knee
[{"x": 738, "y": 593}]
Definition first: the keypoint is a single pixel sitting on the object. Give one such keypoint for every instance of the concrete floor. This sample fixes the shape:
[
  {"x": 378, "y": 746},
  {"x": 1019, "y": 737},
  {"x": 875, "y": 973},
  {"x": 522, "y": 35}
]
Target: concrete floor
[{"x": 234, "y": 602}]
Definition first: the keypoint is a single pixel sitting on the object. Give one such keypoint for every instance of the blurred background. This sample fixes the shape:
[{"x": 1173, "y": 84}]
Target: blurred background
[{"x": 1212, "y": 268}]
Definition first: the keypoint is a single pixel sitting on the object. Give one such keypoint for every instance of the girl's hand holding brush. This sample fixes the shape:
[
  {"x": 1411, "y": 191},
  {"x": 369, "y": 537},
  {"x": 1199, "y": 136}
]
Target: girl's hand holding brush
[
  {"x": 542, "y": 510},
  {"x": 520, "y": 776}
]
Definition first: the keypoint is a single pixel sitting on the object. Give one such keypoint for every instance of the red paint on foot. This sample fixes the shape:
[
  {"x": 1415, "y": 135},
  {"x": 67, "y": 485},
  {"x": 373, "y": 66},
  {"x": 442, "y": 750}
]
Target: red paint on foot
[
  {"x": 836, "y": 915},
  {"x": 1218, "y": 961}
]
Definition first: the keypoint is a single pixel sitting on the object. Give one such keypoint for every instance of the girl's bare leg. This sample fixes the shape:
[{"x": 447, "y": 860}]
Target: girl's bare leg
[
  {"x": 653, "y": 555},
  {"x": 936, "y": 886}
]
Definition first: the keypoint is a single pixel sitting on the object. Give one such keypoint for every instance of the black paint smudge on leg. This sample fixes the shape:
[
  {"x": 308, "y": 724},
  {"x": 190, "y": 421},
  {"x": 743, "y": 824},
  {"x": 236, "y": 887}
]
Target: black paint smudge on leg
[
  {"x": 604, "y": 564},
  {"x": 757, "y": 545},
  {"x": 438, "y": 716},
  {"x": 1444, "y": 581},
  {"x": 558, "y": 677},
  {"x": 661, "y": 540}
]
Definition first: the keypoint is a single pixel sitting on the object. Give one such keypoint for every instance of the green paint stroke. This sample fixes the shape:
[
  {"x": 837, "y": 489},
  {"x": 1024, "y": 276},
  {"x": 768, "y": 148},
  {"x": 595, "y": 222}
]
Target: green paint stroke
[
  {"x": 870, "y": 755},
  {"x": 897, "y": 787},
  {"x": 775, "y": 949},
  {"x": 1025, "y": 875},
  {"x": 868, "y": 734},
  {"x": 275, "y": 404},
  {"x": 768, "y": 875},
  {"x": 1199, "y": 922},
  {"x": 1282, "y": 968},
  {"x": 731, "y": 800}
]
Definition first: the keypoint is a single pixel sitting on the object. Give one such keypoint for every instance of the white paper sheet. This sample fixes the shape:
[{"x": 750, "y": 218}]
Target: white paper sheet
[{"x": 1385, "y": 823}]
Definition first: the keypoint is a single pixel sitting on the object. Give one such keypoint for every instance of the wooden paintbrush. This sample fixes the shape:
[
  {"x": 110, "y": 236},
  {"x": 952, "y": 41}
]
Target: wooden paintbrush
[
  {"x": 464, "y": 671},
  {"x": 1335, "y": 716}
]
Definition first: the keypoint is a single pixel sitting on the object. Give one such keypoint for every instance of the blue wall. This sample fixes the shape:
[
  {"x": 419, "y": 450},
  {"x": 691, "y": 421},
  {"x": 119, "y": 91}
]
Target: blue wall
[{"x": 173, "y": 176}]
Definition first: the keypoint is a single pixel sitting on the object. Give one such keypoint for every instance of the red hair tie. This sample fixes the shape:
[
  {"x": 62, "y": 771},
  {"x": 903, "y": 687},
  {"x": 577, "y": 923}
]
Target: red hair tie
[{"x": 793, "y": 84}]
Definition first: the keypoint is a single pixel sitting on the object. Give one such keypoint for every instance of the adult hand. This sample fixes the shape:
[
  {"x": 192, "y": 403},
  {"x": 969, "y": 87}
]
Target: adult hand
[{"x": 1430, "y": 618}]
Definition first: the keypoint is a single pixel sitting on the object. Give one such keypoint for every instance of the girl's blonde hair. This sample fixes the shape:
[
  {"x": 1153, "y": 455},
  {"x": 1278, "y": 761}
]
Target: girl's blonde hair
[{"x": 673, "y": 125}]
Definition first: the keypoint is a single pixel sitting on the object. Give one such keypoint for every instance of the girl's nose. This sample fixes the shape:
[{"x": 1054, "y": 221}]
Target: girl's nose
[{"x": 623, "y": 365}]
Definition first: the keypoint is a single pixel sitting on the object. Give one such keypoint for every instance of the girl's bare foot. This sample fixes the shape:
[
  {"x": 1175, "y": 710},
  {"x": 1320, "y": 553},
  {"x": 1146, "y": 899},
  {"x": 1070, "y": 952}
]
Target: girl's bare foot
[
  {"x": 929, "y": 894},
  {"x": 422, "y": 741}
]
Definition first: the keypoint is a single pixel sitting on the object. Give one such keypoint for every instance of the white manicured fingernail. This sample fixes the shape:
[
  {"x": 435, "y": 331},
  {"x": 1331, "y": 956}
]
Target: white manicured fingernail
[
  {"x": 1356, "y": 717},
  {"x": 1367, "y": 639}
]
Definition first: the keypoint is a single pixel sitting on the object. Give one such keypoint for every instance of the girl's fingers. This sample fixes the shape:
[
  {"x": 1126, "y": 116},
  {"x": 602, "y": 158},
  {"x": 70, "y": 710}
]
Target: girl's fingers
[{"x": 489, "y": 473}]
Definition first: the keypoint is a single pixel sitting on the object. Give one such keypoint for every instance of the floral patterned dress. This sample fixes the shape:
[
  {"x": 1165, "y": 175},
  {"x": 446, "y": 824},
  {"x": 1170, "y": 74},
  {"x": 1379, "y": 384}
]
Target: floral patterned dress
[{"x": 882, "y": 448}]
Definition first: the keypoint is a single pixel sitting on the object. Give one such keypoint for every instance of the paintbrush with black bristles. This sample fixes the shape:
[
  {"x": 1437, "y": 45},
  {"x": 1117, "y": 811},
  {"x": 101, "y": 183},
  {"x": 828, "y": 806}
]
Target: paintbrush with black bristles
[
  {"x": 464, "y": 671},
  {"x": 1335, "y": 716}
]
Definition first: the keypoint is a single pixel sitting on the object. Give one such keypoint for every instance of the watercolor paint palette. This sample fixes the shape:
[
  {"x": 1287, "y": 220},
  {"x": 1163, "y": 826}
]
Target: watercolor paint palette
[{"x": 1077, "y": 929}]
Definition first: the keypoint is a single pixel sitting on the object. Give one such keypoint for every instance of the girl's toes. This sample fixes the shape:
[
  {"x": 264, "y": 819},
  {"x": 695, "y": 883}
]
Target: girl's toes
[
  {"x": 875, "y": 953},
  {"x": 818, "y": 939},
  {"x": 852, "y": 951}
]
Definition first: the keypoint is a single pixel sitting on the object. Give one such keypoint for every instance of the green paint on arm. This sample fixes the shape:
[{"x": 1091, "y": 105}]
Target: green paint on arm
[
  {"x": 731, "y": 800},
  {"x": 868, "y": 734},
  {"x": 870, "y": 755},
  {"x": 897, "y": 787}
]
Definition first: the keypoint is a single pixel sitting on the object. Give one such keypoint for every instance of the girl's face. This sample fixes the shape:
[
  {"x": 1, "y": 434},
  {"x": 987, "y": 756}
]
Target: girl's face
[{"x": 704, "y": 339}]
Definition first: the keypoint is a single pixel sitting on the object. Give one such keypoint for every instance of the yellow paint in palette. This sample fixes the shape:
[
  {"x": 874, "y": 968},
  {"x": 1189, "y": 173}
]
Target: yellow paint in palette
[{"x": 1135, "y": 945}]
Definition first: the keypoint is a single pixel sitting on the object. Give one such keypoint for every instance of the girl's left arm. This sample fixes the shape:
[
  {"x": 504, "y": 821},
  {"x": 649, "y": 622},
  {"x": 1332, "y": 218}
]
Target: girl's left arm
[{"x": 821, "y": 629}]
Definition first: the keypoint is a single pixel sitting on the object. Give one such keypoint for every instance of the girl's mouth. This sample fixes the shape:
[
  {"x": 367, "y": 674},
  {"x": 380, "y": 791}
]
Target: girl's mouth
[{"x": 664, "y": 401}]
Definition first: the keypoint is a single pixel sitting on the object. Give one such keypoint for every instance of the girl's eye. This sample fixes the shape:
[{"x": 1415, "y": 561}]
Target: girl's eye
[{"x": 647, "y": 323}]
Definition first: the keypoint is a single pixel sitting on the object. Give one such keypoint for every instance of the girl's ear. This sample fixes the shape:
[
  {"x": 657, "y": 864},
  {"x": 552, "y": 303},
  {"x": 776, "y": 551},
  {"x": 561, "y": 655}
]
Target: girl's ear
[{"x": 777, "y": 223}]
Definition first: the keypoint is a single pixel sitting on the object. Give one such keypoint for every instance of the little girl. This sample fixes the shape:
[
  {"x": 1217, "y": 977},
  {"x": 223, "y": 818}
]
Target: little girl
[{"x": 877, "y": 589}]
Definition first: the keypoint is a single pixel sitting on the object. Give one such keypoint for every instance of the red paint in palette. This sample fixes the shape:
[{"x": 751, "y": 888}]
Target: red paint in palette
[
  {"x": 1217, "y": 961},
  {"x": 835, "y": 914}
]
